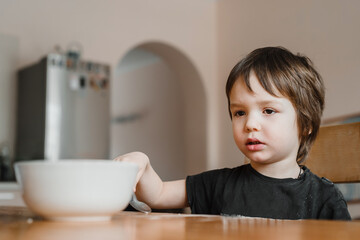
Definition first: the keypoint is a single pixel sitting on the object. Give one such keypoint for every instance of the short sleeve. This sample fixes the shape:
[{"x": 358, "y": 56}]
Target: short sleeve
[{"x": 204, "y": 191}]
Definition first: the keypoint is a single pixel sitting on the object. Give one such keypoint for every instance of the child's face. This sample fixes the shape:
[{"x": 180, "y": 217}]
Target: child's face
[{"x": 264, "y": 126}]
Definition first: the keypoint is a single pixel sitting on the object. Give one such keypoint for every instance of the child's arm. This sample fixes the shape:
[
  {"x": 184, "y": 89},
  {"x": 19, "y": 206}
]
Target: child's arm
[{"x": 151, "y": 189}]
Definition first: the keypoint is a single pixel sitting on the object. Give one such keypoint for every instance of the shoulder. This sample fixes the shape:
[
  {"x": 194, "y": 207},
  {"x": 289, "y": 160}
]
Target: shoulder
[
  {"x": 238, "y": 169},
  {"x": 323, "y": 186},
  {"x": 329, "y": 198},
  {"x": 222, "y": 174},
  {"x": 205, "y": 191},
  {"x": 310, "y": 176}
]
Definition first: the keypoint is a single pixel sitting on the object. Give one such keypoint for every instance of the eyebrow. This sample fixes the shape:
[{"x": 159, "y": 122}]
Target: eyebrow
[{"x": 265, "y": 102}]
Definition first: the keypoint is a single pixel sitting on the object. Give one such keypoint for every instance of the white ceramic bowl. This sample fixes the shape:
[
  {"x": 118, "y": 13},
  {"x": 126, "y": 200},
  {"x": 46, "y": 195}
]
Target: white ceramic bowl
[{"x": 76, "y": 190}]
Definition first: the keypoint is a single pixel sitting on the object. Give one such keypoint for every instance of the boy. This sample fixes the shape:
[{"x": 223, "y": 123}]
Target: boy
[{"x": 275, "y": 101}]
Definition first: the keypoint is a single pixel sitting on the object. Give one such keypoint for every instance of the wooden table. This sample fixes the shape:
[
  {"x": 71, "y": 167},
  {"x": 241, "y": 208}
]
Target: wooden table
[{"x": 20, "y": 223}]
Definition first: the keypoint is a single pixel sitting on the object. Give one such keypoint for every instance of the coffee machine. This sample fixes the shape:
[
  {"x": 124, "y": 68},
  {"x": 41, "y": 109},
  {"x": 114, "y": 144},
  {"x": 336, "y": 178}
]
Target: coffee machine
[{"x": 63, "y": 109}]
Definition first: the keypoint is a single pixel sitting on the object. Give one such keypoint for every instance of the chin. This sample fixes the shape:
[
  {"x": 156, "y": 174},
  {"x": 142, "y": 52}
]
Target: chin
[{"x": 258, "y": 160}]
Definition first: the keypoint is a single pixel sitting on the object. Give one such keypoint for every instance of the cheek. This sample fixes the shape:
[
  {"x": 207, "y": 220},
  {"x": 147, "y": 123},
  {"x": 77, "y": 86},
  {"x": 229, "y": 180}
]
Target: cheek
[
  {"x": 282, "y": 130},
  {"x": 288, "y": 133},
  {"x": 237, "y": 133}
]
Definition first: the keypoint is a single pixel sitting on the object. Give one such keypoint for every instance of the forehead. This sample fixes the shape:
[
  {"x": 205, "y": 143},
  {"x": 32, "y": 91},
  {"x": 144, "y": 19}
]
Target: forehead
[{"x": 252, "y": 88}]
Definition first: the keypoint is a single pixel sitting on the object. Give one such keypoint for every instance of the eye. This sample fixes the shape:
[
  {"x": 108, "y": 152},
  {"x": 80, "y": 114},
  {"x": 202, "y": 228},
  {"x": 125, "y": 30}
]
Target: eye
[
  {"x": 269, "y": 111},
  {"x": 239, "y": 113}
]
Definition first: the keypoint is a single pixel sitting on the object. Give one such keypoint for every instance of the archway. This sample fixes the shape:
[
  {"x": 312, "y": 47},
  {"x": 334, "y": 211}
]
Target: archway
[{"x": 159, "y": 107}]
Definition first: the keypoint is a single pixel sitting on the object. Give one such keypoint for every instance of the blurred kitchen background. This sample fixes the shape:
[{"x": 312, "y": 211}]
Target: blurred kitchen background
[{"x": 168, "y": 63}]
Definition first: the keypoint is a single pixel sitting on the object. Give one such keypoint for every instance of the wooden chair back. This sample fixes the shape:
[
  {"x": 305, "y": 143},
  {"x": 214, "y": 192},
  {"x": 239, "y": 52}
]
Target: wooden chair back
[{"x": 335, "y": 154}]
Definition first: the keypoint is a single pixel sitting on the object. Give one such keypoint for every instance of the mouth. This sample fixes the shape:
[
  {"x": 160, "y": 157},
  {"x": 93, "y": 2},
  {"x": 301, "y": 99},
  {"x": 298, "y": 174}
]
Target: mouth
[{"x": 253, "y": 142}]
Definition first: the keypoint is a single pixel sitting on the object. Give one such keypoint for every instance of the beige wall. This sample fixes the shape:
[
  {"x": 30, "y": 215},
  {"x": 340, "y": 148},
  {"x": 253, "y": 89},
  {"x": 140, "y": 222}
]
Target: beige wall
[
  {"x": 109, "y": 29},
  {"x": 214, "y": 35},
  {"x": 327, "y": 31}
]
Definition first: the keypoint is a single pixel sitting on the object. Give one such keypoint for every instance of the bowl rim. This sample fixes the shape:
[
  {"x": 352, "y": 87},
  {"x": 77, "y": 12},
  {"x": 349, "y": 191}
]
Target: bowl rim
[{"x": 44, "y": 162}]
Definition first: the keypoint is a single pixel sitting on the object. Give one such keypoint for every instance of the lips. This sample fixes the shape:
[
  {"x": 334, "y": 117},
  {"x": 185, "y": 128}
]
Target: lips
[{"x": 253, "y": 144}]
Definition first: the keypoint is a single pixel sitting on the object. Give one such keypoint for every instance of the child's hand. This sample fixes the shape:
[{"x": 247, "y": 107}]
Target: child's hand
[
  {"x": 140, "y": 159},
  {"x": 151, "y": 189}
]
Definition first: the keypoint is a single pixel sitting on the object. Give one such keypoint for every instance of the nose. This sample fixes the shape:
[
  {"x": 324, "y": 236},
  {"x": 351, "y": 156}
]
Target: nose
[{"x": 252, "y": 123}]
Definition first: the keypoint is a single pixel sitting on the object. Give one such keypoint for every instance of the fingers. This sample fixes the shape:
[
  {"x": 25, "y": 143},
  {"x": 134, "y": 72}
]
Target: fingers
[{"x": 139, "y": 158}]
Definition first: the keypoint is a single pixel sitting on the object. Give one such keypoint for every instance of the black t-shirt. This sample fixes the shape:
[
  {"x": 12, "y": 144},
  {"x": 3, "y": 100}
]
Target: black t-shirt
[{"x": 244, "y": 191}]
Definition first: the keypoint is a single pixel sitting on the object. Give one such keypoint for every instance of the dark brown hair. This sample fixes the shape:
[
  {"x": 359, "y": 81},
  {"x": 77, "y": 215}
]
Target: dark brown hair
[{"x": 294, "y": 77}]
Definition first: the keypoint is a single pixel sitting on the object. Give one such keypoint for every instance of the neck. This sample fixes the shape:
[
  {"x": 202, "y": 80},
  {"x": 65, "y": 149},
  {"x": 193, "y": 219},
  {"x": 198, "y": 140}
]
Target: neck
[{"x": 278, "y": 169}]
